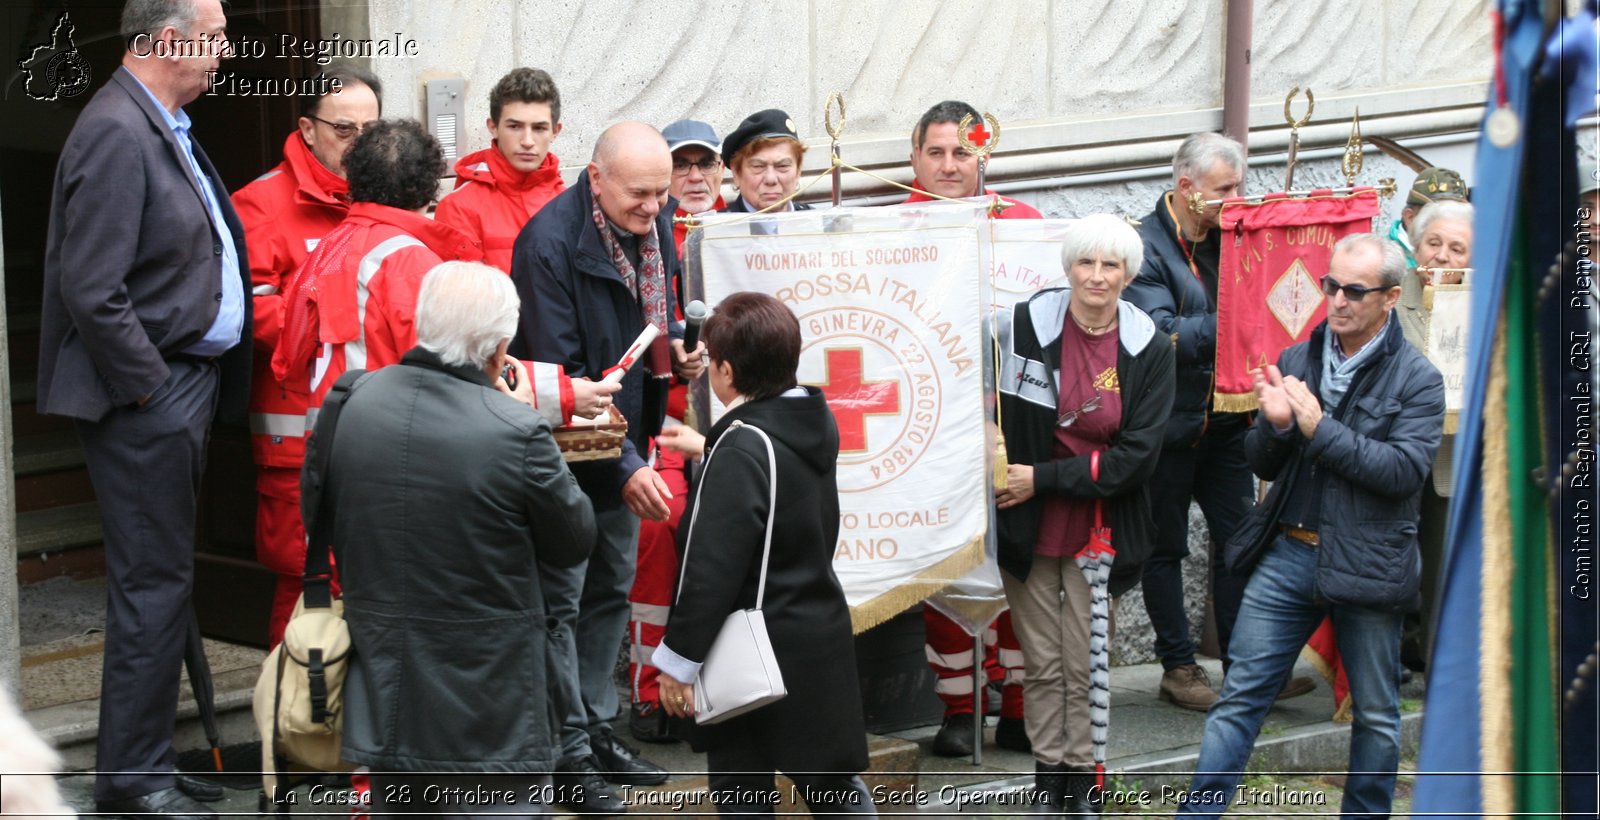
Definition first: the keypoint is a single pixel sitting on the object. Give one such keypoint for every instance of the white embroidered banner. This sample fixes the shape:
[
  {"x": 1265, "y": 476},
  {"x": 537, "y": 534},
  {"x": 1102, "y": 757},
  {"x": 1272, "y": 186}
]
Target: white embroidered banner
[
  {"x": 1023, "y": 256},
  {"x": 1447, "y": 343},
  {"x": 890, "y": 307}
]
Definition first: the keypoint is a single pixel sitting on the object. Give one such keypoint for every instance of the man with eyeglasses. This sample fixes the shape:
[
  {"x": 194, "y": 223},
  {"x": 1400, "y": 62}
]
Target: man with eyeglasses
[
  {"x": 286, "y": 212},
  {"x": 1350, "y": 421},
  {"x": 501, "y": 187},
  {"x": 697, "y": 187}
]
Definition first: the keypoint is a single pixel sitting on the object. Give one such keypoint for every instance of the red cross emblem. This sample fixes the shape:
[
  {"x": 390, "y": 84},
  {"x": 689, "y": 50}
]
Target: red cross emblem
[
  {"x": 978, "y": 135},
  {"x": 852, "y": 399}
]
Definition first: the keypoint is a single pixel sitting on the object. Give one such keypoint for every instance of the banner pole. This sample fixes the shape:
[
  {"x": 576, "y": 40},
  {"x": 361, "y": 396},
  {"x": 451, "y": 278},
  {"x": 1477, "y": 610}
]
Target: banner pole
[{"x": 834, "y": 130}]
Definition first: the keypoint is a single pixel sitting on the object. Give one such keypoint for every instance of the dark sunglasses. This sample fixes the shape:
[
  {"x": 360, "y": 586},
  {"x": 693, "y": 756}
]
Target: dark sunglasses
[{"x": 1354, "y": 293}]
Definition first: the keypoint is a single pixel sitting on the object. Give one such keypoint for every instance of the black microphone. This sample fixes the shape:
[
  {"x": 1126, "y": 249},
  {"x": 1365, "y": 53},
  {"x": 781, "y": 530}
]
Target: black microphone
[{"x": 694, "y": 314}]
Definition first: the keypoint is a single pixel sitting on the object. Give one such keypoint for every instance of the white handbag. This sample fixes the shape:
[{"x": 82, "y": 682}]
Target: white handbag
[{"x": 740, "y": 672}]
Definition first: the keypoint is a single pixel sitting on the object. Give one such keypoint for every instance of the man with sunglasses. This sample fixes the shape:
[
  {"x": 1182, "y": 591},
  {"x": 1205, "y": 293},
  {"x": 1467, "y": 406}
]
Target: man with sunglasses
[
  {"x": 286, "y": 212},
  {"x": 1350, "y": 421}
]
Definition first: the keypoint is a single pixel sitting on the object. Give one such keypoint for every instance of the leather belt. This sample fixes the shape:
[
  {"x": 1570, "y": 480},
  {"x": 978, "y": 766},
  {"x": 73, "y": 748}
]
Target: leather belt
[{"x": 1304, "y": 536}]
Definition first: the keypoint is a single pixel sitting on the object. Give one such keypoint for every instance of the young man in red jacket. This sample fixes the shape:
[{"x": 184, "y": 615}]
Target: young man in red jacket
[
  {"x": 353, "y": 303},
  {"x": 944, "y": 168},
  {"x": 501, "y": 187},
  {"x": 286, "y": 212}
]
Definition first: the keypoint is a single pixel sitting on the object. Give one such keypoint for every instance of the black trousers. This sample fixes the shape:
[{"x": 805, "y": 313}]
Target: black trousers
[
  {"x": 145, "y": 464},
  {"x": 1216, "y": 474}
]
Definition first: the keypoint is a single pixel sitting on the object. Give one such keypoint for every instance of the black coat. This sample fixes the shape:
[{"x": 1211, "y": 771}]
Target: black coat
[
  {"x": 1372, "y": 454},
  {"x": 446, "y": 495},
  {"x": 819, "y": 726},
  {"x": 578, "y": 313},
  {"x": 1177, "y": 301},
  {"x": 1030, "y": 362}
]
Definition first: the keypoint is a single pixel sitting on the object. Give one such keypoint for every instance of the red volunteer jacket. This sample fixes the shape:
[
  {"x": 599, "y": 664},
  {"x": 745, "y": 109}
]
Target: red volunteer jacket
[
  {"x": 1014, "y": 209},
  {"x": 285, "y": 212},
  {"x": 492, "y": 200},
  {"x": 353, "y": 304}
]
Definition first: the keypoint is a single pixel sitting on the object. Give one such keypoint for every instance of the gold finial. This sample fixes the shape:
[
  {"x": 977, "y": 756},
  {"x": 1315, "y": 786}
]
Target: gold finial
[
  {"x": 833, "y": 129},
  {"x": 1351, "y": 164},
  {"x": 1311, "y": 105},
  {"x": 978, "y": 142}
]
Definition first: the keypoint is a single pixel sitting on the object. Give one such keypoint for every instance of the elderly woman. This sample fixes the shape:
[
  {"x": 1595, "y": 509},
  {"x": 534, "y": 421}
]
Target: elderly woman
[
  {"x": 1441, "y": 236},
  {"x": 1085, "y": 378},
  {"x": 815, "y": 735},
  {"x": 764, "y": 154}
]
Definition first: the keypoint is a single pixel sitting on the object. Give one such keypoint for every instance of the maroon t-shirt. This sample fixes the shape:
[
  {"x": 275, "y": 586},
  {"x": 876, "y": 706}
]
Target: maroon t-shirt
[{"x": 1089, "y": 405}]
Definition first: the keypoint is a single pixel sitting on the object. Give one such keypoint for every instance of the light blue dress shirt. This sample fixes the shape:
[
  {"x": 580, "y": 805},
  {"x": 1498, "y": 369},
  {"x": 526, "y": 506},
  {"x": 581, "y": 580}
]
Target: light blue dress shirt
[{"x": 225, "y": 332}]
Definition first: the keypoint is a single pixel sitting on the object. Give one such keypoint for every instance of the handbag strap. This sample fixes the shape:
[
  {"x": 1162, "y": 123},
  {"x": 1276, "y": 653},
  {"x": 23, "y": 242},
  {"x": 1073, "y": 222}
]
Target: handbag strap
[
  {"x": 318, "y": 574},
  {"x": 1094, "y": 475},
  {"x": 772, "y": 509}
]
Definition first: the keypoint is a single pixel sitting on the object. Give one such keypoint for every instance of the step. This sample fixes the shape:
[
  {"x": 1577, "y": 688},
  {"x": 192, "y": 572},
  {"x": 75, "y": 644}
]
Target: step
[
  {"x": 57, "y": 529},
  {"x": 46, "y": 452},
  {"x": 25, "y": 416}
]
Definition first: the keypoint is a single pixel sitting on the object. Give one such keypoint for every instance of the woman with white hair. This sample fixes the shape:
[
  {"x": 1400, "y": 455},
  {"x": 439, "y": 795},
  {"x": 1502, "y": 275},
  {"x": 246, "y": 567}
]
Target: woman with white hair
[
  {"x": 1085, "y": 390},
  {"x": 1441, "y": 236}
]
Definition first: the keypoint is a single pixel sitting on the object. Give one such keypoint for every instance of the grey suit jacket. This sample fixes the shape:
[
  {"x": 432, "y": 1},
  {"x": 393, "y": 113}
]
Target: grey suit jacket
[{"x": 131, "y": 262}]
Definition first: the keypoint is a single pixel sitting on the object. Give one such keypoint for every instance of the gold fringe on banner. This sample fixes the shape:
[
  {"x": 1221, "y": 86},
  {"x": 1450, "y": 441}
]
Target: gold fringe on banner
[
  {"x": 925, "y": 583},
  {"x": 1343, "y": 713},
  {"x": 1495, "y": 751},
  {"x": 1233, "y": 402}
]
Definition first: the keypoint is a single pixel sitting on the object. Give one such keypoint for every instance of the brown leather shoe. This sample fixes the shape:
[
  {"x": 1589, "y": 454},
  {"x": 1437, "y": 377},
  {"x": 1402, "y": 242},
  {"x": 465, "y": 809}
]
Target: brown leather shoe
[
  {"x": 1297, "y": 686},
  {"x": 1187, "y": 686}
]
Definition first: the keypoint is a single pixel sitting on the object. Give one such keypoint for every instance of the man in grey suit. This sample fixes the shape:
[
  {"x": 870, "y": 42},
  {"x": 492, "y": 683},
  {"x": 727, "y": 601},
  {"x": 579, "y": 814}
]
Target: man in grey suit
[{"x": 143, "y": 340}]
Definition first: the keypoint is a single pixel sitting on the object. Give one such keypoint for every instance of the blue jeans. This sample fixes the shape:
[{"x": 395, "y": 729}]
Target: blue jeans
[
  {"x": 1279, "y": 613},
  {"x": 590, "y": 602}
]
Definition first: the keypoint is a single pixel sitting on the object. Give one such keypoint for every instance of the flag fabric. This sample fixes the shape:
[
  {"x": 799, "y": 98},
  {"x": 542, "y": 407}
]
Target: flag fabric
[
  {"x": 1275, "y": 252},
  {"x": 1022, "y": 257},
  {"x": 890, "y": 302},
  {"x": 1492, "y": 736},
  {"x": 1322, "y": 652}
]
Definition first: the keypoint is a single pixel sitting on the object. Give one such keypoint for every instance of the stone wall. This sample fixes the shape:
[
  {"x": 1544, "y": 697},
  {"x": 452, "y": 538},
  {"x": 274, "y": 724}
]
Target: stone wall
[{"x": 1056, "y": 70}]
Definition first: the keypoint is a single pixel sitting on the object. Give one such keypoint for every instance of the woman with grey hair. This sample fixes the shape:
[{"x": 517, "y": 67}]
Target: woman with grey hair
[
  {"x": 1085, "y": 390},
  {"x": 1441, "y": 236}
]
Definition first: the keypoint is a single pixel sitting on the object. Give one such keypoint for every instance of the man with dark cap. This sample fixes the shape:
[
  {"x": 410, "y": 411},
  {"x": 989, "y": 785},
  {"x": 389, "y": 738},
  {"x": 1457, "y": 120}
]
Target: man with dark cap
[
  {"x": 286, "y": 212},
  {"x": 764, "y": 154},
  {"x": 1431, "y": 185}
]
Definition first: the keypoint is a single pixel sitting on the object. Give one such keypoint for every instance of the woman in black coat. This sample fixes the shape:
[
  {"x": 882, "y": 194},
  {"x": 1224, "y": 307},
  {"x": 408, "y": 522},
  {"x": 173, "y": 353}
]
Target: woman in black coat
[{"x": 815, "y": 735}]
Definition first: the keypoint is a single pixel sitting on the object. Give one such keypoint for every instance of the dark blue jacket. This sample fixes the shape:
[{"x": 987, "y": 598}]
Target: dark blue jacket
[
  {"x": 1176, "y": 299},
  {"x": 578, "y": 313},
  {"x": 1371, "y": 458}
]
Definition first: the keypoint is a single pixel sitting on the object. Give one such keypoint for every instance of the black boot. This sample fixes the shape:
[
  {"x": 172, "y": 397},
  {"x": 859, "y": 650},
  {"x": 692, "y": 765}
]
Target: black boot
[
  {"x": 1049, "y": 782},
  {"x": 1079, "y": 797}
]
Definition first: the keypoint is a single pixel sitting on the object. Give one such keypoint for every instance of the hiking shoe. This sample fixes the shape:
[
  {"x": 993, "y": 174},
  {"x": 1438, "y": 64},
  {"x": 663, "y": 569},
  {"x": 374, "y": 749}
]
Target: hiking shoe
[
  {"x": 955, "y": 737},
  {"x": 1013, "y": 734},
  {"x": 1187, "y": 686},
  {"x": 585, "y": 788}
]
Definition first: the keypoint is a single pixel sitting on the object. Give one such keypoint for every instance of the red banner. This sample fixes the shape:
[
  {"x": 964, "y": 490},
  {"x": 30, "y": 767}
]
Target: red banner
[{"x": 1275, "y": 252}]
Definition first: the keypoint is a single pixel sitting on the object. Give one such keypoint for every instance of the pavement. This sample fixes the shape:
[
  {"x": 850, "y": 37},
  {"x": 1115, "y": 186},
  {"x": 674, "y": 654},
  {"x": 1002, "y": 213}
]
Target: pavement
[{"x": 1152, "y": 749}]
